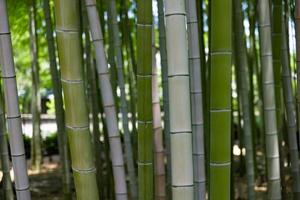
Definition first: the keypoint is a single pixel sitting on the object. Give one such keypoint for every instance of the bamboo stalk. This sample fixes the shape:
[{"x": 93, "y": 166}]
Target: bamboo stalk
[
  {"x": 36, "y": 151},
  {"x": 108, "y": 102},
  {"x": 12, "y": 108},
  {"x": 179, "y": 104},
  {"x": 159, "y": 156},
  {"x": 98, "y": 146},
  {"x": 93, "y": 98},
  {"x": 112, "y": 13},
  {"x": 92, "y": 92},
  {"x": 196, "y": 101},
  {"x": 59, "y": 110},
  {"x": 220, "y": 99},
  {"x": 131, "y": 67},
  {"x": 5, "y": 162},
  {"x": 276, "y": 52},
  {"x": 297, "y": 27},
  {"x": 76, "y": 116},
  {"x": 164, "y": 72},
  {"x": 144, "y": 101},
  {"x": 244, "y": 82},
  {"x": 269, "y": 104},
  {"x": 290, "y": 110}
]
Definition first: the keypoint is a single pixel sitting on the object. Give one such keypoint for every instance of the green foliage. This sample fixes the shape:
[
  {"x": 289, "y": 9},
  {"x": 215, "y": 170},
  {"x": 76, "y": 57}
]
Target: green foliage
[
  {"x": 19, "y": 25},
  {"x": 50, "y": 144},
  {"x": 50, "y": 106}
]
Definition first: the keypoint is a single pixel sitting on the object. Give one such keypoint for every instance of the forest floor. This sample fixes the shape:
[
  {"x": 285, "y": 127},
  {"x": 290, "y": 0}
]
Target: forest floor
[{"x": 47, "y": 184}]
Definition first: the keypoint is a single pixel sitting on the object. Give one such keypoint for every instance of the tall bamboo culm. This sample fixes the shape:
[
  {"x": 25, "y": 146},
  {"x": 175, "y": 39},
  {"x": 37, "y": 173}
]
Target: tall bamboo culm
[
  {"x": 159, "y": 155},
  {"x": 5, "y": 162},
  {"x": 297, "y": 24},
  {"x": 244, "y": 76},
  {"x": 112, "y": 12},
  {"x": 276, "y": 15},
  {"x": 165, "y": 86},
  {"x": 220, "y": 99},
  {"x": 290, "y": 110},
  {"x": 179, "y": 100},
  {"x": 36, "y": 151},
  {"x": 144, "y": 101},
  {"x": 59, "y": 110},
  {"x": 269, "y": 104},
  {"x": 196, "y": 101},
  {"x": 108, "y": 102},
  {"x": 12, "y": 108},
  {"x": 76, "y": 116}
]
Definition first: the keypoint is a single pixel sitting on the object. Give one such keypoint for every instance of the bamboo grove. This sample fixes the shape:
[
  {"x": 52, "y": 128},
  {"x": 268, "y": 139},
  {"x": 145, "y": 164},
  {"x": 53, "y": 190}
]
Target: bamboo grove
[{"x": 149, "y": 99}]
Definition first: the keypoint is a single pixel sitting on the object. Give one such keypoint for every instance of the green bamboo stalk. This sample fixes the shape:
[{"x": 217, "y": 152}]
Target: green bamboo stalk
[
  {"x": 131, "y": 67},
  {"x": 90, "y": 74},
  {"x": 220, "y": 99},
  {"x": 256, "y": 72},
  {"x": 93, "y": 97},
  {"x": 290, "y": 110},
  {"x": 5, "y": 162},
  {"x": 244, "y": 83},
  {"x": 253, "y": 63},
  {"x": 269, "y": 104},
  {"x": 36, "y": 151},
  {"x": 179, "y": 104},
  {"x": 165, "y": 86},
  {"x": 76, "y": 116},
  {"x": 276, "y": 52},
  {"x": 126, "y": 33},
  {"x": 108, "y": 102},
  {"x": 159, "y": 156},
  {"x": 112, "y": 13},
  {"x": 59, "y": 110},
  {"x": 13, "y": 113},
  {"x": 144, "y": 101},
  {"x": 297, "y": 26},
  {"x": 196, "y": 101}
]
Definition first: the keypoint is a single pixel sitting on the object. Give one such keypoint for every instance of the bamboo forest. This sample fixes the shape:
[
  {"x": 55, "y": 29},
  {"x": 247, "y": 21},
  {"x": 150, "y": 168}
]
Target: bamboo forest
[{"x": 149, "y": 99}]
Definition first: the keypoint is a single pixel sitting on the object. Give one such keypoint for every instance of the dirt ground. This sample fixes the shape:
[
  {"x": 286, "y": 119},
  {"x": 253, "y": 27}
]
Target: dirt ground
[{"x": 47, "y": 184}]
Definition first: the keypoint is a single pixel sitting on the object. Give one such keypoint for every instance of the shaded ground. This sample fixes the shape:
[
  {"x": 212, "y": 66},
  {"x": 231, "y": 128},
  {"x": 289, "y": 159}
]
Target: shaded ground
[{"x": 47, "y": 185}]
